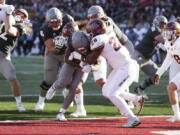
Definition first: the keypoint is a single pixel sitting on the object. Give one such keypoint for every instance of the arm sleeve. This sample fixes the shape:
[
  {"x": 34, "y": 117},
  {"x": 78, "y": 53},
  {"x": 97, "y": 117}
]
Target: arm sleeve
[
  {"x": 120, "y": 35},
  {"x": 167, "y": 62}
]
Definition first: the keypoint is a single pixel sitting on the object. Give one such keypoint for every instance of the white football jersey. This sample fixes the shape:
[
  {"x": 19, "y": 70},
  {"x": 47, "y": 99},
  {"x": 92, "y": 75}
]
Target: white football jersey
[
  {"x": 116, "y": 54},
  {"x": 173, "y": 53}
]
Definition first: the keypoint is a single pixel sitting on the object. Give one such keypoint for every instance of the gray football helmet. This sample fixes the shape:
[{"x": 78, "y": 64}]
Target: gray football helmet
[
  {"x": 159, "y": 22},
  {"x": 54, "y": 18},
  {"x": 95, "y": 11},
  {"x": 80, "y": 41}
]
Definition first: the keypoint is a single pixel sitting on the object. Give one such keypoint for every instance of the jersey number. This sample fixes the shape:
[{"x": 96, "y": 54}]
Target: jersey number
[
  {"x": 177, "y": 58},
  {"x": 113, "y": 42}
]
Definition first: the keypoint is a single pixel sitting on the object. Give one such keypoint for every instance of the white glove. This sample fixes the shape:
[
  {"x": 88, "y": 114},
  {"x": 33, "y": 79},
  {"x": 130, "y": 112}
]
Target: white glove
[
  {"x": 9, "y": 9},
  {"x": 75, "y": 55},
  {"x": 59, "y": 42},
  {"x": 87, "y": 69}
]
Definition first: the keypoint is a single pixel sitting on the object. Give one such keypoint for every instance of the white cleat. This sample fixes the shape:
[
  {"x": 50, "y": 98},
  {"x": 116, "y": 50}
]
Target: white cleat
[
  {"x": 61, "y": 117},
  {"x": 20, "y": 107},
  {"x": 174, "y": 119},
  {"x": 139, "y": 105},
  {"x": 79, "y": 113},
  {"x": 50, "y": 93},
  {"x": 131, "y": 123},
  {"x": 39, "y": 107}
]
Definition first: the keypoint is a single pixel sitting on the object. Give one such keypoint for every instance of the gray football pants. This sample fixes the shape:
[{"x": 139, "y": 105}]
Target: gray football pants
[{"x": 72, "y": 77}]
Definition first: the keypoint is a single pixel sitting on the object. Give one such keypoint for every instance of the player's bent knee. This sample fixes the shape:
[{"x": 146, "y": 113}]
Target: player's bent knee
[
  {"x": 171, "y": 87},
  {"x": 11, "y": 77}
]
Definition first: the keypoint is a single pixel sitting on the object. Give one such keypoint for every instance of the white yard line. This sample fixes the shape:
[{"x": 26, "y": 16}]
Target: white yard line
[{"x": 83, "y": 118}]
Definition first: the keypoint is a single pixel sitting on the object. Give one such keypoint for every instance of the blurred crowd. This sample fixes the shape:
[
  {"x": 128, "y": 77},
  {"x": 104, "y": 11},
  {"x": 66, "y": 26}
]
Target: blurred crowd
[{"x": 134, "y": 17}]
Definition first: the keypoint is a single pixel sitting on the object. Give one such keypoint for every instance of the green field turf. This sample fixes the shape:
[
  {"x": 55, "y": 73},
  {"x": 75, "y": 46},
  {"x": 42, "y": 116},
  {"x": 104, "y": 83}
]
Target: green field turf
[{"x": 30, "y": 75}]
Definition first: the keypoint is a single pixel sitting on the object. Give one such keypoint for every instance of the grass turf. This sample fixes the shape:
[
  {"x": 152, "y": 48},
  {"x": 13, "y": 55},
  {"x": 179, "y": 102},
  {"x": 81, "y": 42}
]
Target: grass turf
[{"x": 30, "y": 75}]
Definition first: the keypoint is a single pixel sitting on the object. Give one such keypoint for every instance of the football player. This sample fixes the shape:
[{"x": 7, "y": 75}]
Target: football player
[
  {"x": 10, "y": 30},
  {"x": 100, "y": 75},
  {"x": 172, "y": 45},
  {"x": 146, "y": 49},
  {"x": 71, "y": 73},
  {"x": 54, "y": 41},
  {"x": 124, "y": 73},
  {"x": 95, "y": 12},
  {"x": 68, "y": 30}
]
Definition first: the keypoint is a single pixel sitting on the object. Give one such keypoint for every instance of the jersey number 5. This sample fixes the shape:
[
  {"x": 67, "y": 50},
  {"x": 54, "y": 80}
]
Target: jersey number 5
[{"x": 114, "y": 43}]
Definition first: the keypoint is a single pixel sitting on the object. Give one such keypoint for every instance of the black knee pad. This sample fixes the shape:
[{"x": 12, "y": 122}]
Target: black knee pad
[{"x": 45, "y": 86}]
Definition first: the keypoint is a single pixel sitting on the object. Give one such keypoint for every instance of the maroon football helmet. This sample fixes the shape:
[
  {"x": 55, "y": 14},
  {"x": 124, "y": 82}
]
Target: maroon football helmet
[
  {"x": 96, "y": 27},
  {"x": 69, "y": 29}
]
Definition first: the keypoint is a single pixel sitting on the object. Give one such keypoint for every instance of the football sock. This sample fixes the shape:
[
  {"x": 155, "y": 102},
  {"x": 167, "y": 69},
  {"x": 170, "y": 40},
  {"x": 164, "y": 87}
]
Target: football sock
[
  {"x": 41, "y": 99},
  {"x": 62, "y": 110},
  {"x": 18, "y": 99},
  {"x": 79, "y": 101},
  {"x": 175, "y": 109}
]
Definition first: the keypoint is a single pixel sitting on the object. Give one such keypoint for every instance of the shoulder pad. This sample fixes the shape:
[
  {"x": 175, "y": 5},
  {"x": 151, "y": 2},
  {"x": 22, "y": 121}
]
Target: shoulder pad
[{"x": 96, "y": 43}]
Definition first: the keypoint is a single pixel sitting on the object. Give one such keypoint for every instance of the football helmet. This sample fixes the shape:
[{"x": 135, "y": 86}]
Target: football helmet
[
  {"x": 69, "y": 29},
  {"x": 160, "y": 22},
  {"x": 21, "y": 15},
  {"x": 178, "y": 19},
  {"x": 172, "y": 31},
  {"x": 80, "y": 42},
  {"x": 95, "y": 11},
  {"x": 54, "y": 18},
  {"x": 96, "y": 27}
]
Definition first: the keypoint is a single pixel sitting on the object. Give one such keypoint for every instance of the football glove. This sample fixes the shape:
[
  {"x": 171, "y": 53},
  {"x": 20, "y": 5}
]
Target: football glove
[
  {"x": 75, "y": 55},
  {"x": 156, "y": 79},
  {"x": 60, "y": 42},
  {"x": 87, "y": 68},
  {"x": 9, "y": 9}
]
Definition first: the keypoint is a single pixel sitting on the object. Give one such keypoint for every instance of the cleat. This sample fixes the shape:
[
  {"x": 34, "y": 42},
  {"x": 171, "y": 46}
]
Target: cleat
[
  {"x": 174, "y": 119},
  {"x": 20, "y": 107},
  {"x": 39, "y": 107},
  {"x": 139, "y": 105},
  {"x": 50, "y": 93},
  {"x": 61, "y": 117},
  {"x": 132, "y": 123},
  {"x": 79, "y": 113},
  {"x": 140, "y": 92}
]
